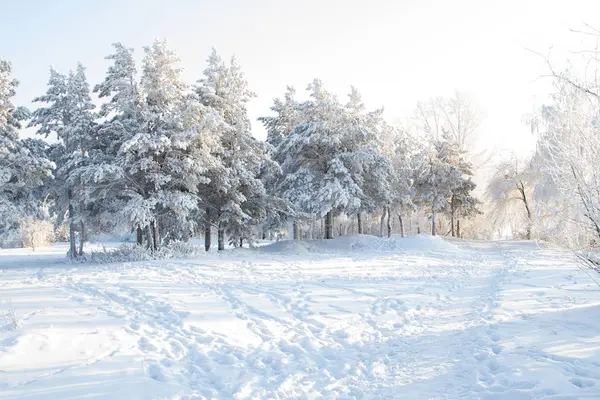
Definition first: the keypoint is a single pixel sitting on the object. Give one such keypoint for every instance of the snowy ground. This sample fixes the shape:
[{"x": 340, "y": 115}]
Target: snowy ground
[{"x": 356, "y": 318}]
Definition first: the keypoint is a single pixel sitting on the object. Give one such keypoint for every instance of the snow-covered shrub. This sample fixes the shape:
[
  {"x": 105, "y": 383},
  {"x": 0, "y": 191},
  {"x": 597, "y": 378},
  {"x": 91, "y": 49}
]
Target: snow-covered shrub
[
  {"x": 134, "y": 252},
  {"x": 8, "y": 315},
  {"x": 35, "y": 233},
  {"x": 61, "y": 233}
]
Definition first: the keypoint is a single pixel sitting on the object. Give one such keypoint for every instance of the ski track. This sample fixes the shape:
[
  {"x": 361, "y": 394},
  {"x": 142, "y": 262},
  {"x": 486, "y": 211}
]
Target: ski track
[{"x": 401, "y": 324}]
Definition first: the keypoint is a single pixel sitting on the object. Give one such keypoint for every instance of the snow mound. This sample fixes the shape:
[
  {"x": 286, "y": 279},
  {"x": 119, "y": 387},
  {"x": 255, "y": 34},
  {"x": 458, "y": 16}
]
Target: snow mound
[
  {"x": 422, "y": 243},
  {"x": 285, "y": 247},
  {"x": 363, "y": 243}
]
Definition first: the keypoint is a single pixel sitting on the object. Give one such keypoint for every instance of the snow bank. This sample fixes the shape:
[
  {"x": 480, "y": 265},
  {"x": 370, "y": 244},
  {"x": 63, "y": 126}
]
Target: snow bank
[
  {"x": 286, "y": 247},
  {"x": 363, "y": 244}
]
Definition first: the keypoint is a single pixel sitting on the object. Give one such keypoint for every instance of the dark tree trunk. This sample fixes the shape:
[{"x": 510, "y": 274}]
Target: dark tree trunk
[
  {"x": 432, "y": 222},
  {"x": 452, "y": 212},
  {"x": 207, "y": 232},
  {"x": 458, "y": 228},
  {"x": 401, "y": 225},
  {"x": 241, "y": 242},
  {"x": 295, "y": 230},
  {"x": 220, "y": 237},
  {"x": 72, "y": 245},
  {"x": 81, "y": 238},
  {"x": 140, "y": 236},
  {"x": 389, "y": 222},
  {"x": 148, "y": 237},
  {"x": 381, "y": 222},
  {"x": 329, "y": 225},
  {"x": 360, "y": 224},
  {"x": 154, "y": 233},
  {"x": 521, "y": 188}
]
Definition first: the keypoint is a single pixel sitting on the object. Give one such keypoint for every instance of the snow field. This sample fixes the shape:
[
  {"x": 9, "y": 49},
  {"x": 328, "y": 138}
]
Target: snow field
[{"x": 353, "y": 318}]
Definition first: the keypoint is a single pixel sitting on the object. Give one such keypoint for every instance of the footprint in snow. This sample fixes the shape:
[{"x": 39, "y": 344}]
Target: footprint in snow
[
  {"x": 156, "y": 372},
  {"x": 582, "y": 383}
]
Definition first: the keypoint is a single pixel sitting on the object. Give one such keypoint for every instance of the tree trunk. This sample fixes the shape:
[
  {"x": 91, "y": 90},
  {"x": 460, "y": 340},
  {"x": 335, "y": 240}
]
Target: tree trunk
[
  {"x": 220, "y": 238},
  {"x": 524, "y": 199},
  {"x": 154, "y": 233},
  {"x": 81, "y": 238},
  {"x": 458, "y": 228},
  {"x": 418, "y": 229},
  {"x": 322, "y": 229},
  {"x": 241, "y": 242},
  {"x": 148, "y": 237},
  {"x": 381, "y": 222},
  {"x": 452, "y": 211},
  {"x": 296, "y": 230},
  {"x": 360, "y": 224},
  {"x": 72, "y": 246},
  {"x": 207, "y": 232},
  {"x": 389, "y": 223},
  {"x": 432, "y": 222},
  {"x": 401, "y": 225},
  {"x": 140, "y": 236},
  {"x": 329, "y": 225}
]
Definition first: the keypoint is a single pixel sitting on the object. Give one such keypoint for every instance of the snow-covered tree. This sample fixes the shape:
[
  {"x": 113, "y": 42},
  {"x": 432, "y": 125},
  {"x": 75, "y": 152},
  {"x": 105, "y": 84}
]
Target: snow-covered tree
[
  {"x": 444, "y": 182},
  {"x": 108, "y": 187},
  {"x": 331, "y": 157},
  {"x": 161, "y": 173},
  {"x": 68, "y": 116},
  {"x": 510, "y": 195},
  {"x": 234, "y": 198},
  {"x": 21, "y": 170},
  {"x": 404, "y": 154},
  {"x": 373, "y": 172},
  {"x": 568, "y": 155},
  {"x": 279, "y": 126}
]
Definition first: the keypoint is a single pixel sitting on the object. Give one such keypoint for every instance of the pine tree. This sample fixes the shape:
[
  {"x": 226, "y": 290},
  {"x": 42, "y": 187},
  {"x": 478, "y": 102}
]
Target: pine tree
[
  {"x": 331, "y": 161},
  {"x": 444, "y": 183},
  {"x": 154, "y": 160},
  {"x": 287, "y": 117},
  {"x": 235, "y": 197},
  {"x": 68, "y": 116},
  {"x": 109, "y": 187},
  {"x": 22, "y": 170}
]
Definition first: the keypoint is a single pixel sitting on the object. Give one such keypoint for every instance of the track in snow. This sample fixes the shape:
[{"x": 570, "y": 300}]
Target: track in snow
[{"x": 365, "y": 318}]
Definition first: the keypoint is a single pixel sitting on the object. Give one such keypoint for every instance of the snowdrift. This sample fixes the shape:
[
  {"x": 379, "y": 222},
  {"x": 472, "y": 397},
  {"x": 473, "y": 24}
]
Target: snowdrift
[{"x": 363, "y": 243}]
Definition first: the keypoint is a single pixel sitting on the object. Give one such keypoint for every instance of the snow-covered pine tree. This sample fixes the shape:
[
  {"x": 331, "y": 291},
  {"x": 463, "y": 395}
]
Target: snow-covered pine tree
[
  {"x": 108, "y": 186},
  {"x": 82, "y": 129},
  {"x": 235, "y": 198},
  {"x": 403, "y": 153},
  {"x": 461, "y": 203},
  {"x": 444, "y": 183},
  {"x": 371, "y": 167},
  {"x": 68, "y": 116},
  {"x": 162, "y": 177},
  {"x": 279, "y": 126},
  {"x": 330, "y": 157},
  {"x": 21, "y": 170}
]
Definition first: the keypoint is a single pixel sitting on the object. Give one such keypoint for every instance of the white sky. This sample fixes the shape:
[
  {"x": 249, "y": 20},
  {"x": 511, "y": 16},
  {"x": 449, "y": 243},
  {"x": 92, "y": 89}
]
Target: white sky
[{"x": 395, "y": 52}]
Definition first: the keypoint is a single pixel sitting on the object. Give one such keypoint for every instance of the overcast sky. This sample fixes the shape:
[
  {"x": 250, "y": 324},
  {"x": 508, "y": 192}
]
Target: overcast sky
[{"x": 396, "y": 52}]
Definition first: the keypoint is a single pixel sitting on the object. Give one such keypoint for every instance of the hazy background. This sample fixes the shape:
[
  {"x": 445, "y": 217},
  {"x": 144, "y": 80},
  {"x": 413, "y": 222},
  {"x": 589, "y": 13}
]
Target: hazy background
[{"x": 395, "y": 52}]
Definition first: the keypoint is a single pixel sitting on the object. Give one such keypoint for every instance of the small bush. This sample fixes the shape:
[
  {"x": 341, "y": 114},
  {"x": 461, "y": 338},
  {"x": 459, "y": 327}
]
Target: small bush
[
  {"x": 8, "y": 315},
  {"x": 134, "y": 252},
  {"x": 35, "y": 233}
]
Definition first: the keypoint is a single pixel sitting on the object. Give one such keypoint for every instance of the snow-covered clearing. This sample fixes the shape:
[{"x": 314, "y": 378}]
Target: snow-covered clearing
[{"x": 353, "y": 318}]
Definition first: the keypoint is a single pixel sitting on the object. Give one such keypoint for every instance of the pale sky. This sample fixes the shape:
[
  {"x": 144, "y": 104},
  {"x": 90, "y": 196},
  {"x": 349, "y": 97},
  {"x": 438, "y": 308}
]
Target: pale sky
[{"x": 395, "y": 52}]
